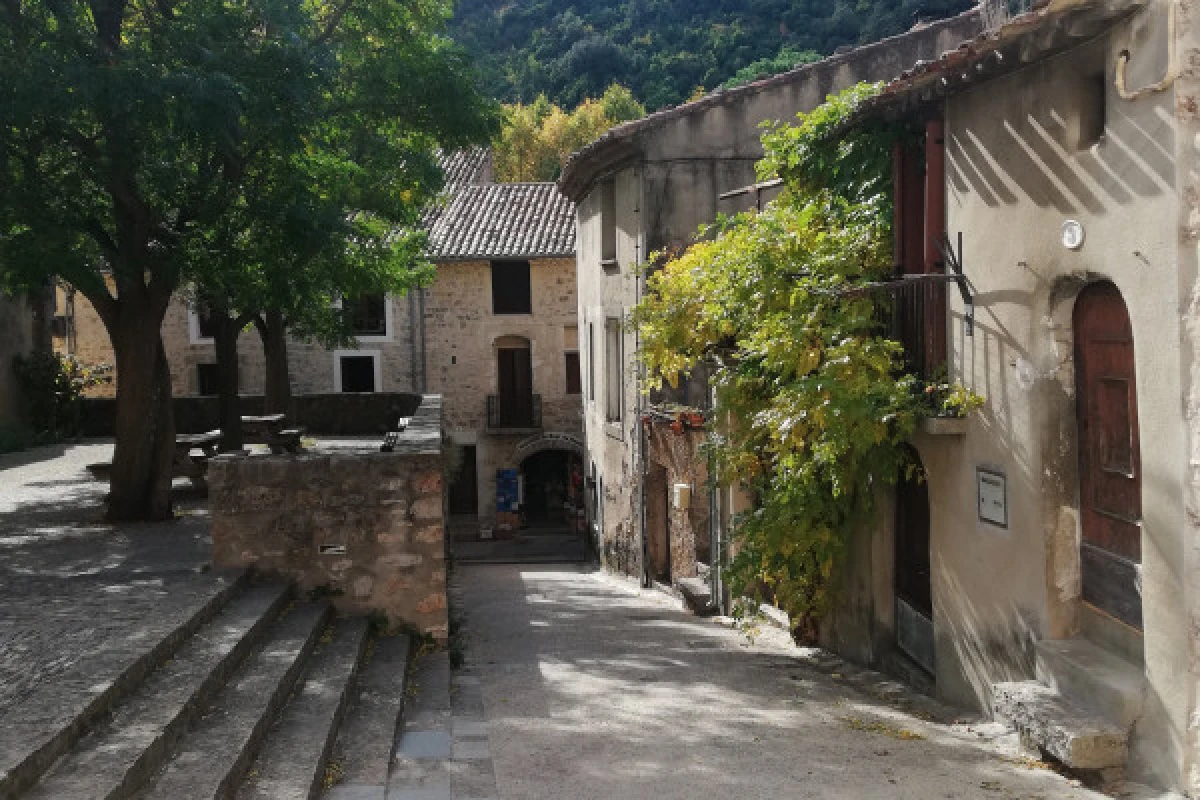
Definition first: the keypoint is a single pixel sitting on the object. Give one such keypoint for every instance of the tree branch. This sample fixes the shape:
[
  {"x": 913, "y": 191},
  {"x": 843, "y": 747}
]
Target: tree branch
[{"x": 334, "y": 21}]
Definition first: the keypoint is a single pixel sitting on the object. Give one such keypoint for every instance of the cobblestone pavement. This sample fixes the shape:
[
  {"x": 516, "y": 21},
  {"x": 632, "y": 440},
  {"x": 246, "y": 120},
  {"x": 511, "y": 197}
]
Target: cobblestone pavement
[
  {"x": 593, "y": 688},
  {"x": 77, "y": 595}
]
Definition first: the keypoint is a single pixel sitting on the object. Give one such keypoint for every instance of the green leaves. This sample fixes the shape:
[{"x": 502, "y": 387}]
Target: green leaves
[{"x": 815, "y": 405}]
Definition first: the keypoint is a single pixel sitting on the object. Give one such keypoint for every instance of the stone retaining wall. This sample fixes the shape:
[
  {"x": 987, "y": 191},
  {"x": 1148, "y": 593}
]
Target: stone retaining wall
[{"x": 369, "y": 526}]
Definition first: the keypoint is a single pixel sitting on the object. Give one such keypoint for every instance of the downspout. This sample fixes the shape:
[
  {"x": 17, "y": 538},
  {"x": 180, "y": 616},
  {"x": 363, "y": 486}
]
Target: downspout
[
  {"x": 644, "y": 463},
  {"x": 424, "y": 346},
  {"x": 412, "y": 344}
]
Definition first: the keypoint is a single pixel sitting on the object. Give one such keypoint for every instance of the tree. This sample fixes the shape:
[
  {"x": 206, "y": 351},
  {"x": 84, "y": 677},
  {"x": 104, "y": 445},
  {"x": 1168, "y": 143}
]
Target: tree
[
  {"x": 537, "y": 139},
  {"x": 341, "y": 217},
  {"x": 130, "y": 138}
]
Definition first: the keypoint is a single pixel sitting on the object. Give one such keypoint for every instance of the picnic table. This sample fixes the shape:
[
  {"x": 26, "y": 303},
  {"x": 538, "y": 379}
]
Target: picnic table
[
  {"x": 185, "y": 463},
  {"x": 269, "y": 429}
]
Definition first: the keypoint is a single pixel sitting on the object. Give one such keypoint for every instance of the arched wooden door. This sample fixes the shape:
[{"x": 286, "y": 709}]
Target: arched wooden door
[{"x": 1110, "y": 469}]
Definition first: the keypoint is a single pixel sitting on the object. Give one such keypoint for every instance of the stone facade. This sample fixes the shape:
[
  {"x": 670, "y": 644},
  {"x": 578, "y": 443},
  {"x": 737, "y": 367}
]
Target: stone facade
[
  {"x": 20, "y": 319},
  {"x": 365, "y": 525}
]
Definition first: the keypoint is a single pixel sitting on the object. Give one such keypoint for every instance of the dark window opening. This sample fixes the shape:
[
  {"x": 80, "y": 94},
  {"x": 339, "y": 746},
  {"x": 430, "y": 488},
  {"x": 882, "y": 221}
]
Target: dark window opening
[
  {"x": 511, "y": 292},
  {"x": 206, "y": 379},
  {"x": 358, "y": 373},
  {"x": 574, "y": 380},
  {"x": 591, "y": 362},
  {"x": 206, "y": 326},
  {"x": 367, "y": 314},
  {"x": 608, "y": 224},
  {"x": 1093, "y": 111}
]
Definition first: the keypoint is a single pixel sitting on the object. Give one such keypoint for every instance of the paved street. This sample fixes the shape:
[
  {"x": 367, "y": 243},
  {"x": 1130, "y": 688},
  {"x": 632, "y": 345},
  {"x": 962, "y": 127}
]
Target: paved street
[{"x": 592, "y": 688}]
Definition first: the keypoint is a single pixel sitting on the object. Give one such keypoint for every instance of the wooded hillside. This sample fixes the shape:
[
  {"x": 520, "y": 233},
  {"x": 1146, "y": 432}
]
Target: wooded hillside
[{"x": 661, "y": 49}]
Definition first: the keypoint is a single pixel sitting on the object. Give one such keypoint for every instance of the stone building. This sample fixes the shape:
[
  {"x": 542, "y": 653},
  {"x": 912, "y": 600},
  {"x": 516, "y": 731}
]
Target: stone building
[
  {"x": 1046, "y": 567},
  {"x": 23, "y": 329},
  {"x": 645, "y": 186},
  {"x": 495, "y": 335}
]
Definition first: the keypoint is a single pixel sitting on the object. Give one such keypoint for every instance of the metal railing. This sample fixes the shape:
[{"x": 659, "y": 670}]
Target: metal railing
[
  {"x": 509, "y": 411},
  {"x": 916, "y": 317}
]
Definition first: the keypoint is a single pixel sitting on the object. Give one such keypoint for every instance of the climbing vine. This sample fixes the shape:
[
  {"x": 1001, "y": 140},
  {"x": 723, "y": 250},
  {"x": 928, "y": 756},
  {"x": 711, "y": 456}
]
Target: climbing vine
[{"x": 814, "y": 404}]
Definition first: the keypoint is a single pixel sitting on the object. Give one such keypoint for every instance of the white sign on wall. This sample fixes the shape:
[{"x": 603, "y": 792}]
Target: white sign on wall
[{"x": 993, "y": 497}]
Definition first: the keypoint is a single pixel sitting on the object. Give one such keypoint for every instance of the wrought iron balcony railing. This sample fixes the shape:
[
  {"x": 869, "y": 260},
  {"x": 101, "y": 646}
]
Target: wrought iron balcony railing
[{"x": 514, "y": 411}]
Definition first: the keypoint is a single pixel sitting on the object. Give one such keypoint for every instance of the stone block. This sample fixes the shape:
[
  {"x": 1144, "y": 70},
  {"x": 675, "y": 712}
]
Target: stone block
[
  {"x": 431, "y": 603},
  {"x": 430, "y": 534},
  {"x": 428, "y": 482},
  {"x": 427, "y": 508},
  {"x": 399, "y": 560}
]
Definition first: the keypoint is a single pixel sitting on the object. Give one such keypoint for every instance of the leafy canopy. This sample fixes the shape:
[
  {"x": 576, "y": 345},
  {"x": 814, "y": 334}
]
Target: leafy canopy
[
  {"x": 813, "y": 402},
  {"x": 537, "y": 139}
]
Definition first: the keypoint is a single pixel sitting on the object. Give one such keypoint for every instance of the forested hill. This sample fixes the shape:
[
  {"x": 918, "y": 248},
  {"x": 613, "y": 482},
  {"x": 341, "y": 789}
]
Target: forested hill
[{"x": 663, "y": 49}]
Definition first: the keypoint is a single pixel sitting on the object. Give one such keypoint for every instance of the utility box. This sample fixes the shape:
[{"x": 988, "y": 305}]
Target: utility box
[{"x": 682, "y": 496}]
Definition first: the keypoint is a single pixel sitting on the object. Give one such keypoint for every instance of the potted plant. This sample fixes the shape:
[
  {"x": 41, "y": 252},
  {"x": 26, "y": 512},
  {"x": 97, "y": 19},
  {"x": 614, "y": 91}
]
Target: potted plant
[{"x": 945, "y": 407}]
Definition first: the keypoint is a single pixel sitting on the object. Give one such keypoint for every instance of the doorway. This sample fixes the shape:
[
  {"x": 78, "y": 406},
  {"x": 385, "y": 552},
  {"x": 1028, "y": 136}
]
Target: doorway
[
  {"x": 464, "y": 491},
  {"x": 913, "y": 575},
  {"x": 514, "y": 387},
  {"x": 1110, "y": 480},
  {"x": 547, "y": 478}
]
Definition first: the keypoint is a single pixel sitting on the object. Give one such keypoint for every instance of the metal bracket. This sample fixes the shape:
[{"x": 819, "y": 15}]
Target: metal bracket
[{"x": 954, "y": 260}]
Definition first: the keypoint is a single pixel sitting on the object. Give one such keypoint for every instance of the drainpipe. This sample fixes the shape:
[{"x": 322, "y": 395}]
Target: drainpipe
[
  {"x": 643, "y": 462},
  {"x": 424, "y": 347},
  {"x": 412, "y": 343}
]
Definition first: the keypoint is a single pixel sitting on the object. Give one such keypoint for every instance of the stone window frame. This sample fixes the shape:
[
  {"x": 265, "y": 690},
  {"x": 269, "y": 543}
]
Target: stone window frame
[
  {"x": 389, "y": 322},
  {"x": 194, "y": 335},
  {"x": 338, "y": 355}
]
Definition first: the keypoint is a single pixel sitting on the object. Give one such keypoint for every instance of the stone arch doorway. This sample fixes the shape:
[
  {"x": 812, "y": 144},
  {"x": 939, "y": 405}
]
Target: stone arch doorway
[
  {"x": 912, "y": 579},
  {"x": 1110, "y": 479},
  {"x": 552, "y": 481}
]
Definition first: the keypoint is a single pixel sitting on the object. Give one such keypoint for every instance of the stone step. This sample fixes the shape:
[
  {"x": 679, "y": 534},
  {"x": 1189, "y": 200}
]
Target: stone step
[
  {"x": 697, "y": 593},
  {"x": 211, "y": 760},
  {"x": 118, "y": 756},
  {"x": 75, "y": 702},
  {"x": 294, "y": 756},
  {"x": 1076, "y": 737},
  {"x": 367, "y": 738},
  {"x": 1092, "y": 677}
]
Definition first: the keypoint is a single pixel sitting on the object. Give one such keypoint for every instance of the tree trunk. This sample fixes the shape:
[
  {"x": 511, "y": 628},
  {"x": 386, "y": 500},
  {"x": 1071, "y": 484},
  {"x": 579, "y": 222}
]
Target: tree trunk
[
  {"x": 278, "y": 389},
  {"x": 140, "y": 487},
  {"x": 225, "y": 340}
]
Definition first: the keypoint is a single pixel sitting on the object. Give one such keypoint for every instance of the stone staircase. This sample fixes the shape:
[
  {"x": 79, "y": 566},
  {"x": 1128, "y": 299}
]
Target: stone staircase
[
  {"x": 1080, "y": 710},
  {"x": 250, "y": 699}
]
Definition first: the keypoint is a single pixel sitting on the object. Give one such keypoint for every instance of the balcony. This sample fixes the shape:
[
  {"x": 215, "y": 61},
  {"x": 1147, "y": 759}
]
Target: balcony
[
  {"x": 917, "y": 319},
  {"x": 514, "y": 413}
]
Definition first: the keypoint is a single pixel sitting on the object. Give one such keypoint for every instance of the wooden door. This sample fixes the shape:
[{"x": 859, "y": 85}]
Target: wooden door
[
  {"x": 1110, "y": 479},
  {"x": 515, "y": 386},
  {"x": 913, "y": 573}
]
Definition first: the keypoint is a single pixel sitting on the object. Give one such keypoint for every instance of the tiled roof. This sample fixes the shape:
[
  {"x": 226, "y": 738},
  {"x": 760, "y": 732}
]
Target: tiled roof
[
  {"x": 503, "y": 220},
  {"x": 464, "y": 167}
]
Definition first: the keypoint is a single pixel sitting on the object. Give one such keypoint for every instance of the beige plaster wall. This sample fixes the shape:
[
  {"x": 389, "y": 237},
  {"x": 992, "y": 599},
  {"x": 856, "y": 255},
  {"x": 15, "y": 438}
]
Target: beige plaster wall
[{"x": 1014, "y": 167}]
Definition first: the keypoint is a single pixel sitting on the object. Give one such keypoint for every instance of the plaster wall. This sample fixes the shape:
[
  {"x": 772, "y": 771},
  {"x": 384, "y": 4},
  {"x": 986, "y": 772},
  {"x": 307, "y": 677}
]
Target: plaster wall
[
  {"x": 1015, "y": 164},
  {"x": 665, "y": 190}
]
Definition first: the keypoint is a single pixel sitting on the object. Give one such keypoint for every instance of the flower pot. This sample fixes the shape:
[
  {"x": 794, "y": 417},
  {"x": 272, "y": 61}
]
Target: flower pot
[{"x": 944, "y": 426}]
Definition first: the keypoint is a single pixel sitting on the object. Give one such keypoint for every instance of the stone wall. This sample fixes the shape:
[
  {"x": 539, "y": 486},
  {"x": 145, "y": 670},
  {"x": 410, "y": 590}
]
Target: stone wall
[
  {"x": 16, "y": 338},
  {"x": 368, "y": 526}
]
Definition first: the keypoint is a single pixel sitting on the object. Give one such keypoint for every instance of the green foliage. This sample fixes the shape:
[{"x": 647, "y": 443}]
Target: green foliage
[
  {"x": 537, "y": 139},
  {"x": 786, "y": 60},
  {"x": 52, "y": 387},
  {"x": 815, "y": 407},
  {"x": 662, "y": 49}
]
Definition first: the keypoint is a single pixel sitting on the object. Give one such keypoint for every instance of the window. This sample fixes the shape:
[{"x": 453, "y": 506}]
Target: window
[
  {"x": 510, "y": 288},
  {"x": 367, "y": 314},
  {"x": 573, "y": 376},
  {"x": 356, "y": 371},
  {"x": 206, "y": 379},
  {"x": 591, "y": 362},
  {"x": 1092, "y": 111},
  {"x": 613, "y": 384},
  {"x": 200, "y": 327},
  {"x": 608, "y": 224}
]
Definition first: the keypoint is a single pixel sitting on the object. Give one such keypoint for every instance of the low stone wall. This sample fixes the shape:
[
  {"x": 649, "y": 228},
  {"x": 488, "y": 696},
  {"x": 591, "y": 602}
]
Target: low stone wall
[
  {"x": 320, "y": 414},
  {"x": 369, "y": 526}
]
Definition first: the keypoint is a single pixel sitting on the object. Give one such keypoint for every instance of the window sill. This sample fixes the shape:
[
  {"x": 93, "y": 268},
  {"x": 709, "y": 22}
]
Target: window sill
[
  {"x": 610, "y": 265},
  {"x": 613, "y": 430}
]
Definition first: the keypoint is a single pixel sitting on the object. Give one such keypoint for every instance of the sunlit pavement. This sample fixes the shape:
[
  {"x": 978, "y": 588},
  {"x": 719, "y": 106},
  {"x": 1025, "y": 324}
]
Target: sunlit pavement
[{"x": 593, "y": 688}]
